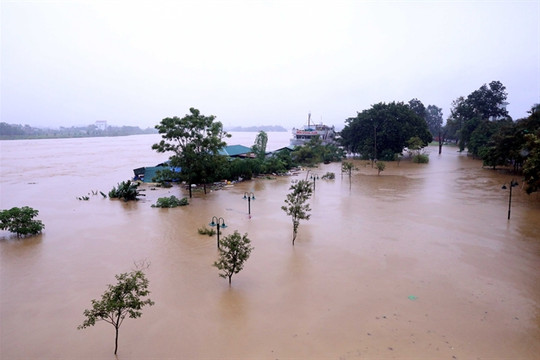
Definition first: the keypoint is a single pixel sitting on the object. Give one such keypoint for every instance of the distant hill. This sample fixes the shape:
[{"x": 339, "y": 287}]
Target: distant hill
[{"x": 266, "y": 128}]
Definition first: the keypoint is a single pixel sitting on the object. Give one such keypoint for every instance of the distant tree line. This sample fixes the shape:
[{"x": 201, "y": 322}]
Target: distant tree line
[
  {"x": 17, "y": 131},
  {"x": 268, "y": 128}
]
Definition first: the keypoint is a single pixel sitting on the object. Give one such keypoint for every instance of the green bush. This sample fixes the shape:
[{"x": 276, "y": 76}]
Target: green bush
[
  {"x": 20, "y": 221},
  {"x": 126, "y": 190},
  {"x": 206, "y": 231},
  {"x": 170, "y": 202},
  {"x": 381, "y": 165},
  {"x": 420, "y": 158},
  {"x": 329, "y": 176}
]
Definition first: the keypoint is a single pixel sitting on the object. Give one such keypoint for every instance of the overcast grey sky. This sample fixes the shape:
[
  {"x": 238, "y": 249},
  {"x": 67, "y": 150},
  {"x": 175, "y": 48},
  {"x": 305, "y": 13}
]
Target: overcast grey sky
[{"x": 70, "y": 62}]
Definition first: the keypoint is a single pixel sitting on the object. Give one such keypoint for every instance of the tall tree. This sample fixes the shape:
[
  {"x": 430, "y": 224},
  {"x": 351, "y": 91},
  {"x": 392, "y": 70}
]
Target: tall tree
[
  {"x": 126, "y": 298},
  {"x": 234, "y": 250},
  {"x": 297, "y": 208},
  {"x": 195, "y": 141},
  {"x": 434, "y": 119},
  {"x": 383, "y": 130},
  {"x": 488, "y": 103},
  {"x": 348, "y": 167},
  {"x": 418, "y": 107},
  {"x": 531, "y": 167},
  {"x": 259, "y": 147}
]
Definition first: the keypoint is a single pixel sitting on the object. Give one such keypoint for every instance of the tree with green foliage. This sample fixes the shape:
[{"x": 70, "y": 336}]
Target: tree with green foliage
[
  {"x": 126, "y": 298},
  {"x": 170, "y": 202},
  {"x": 418, "y": 107},
  {"x": 531, "y": 167},
  {"x": 195, "y": 141},
  {"x": 126, "y": 190},
  {"x": 347, "y": 167},
  {"x": 296, "y": 207},
  {"x": 259, "y": 147},
  {"x": 383, "y": 130},
  {"x": 233, "y": 252},
  {"x": 434, "y": 120},
  {"x": 381, "y": 165},
  {"x": 314, "y": 152},
  {"x": 488, "y": 103},
  {"x": 21, "y": 221}
]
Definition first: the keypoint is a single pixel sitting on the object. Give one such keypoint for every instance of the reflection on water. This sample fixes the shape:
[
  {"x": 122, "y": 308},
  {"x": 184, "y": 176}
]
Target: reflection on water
[{"x": 417, "y": 262}]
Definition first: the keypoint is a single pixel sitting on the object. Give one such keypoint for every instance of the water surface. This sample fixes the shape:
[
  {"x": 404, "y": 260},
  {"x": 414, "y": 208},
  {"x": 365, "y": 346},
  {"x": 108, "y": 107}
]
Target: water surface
[{"x": 419, "y": 262}]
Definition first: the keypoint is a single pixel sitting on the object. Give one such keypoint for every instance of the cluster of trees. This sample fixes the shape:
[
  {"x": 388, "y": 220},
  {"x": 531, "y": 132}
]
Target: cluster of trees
[
  {"x": 17, "y": 131},
  {"x": 384, "y": 130},
  {"x": 195, "y": 141},
  {"x": 480, "y": 123}
]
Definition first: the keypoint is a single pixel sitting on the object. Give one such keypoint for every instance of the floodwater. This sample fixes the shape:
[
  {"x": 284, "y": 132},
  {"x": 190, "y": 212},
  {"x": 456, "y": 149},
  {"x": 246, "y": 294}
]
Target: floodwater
[{"x": 419, "y": 262}]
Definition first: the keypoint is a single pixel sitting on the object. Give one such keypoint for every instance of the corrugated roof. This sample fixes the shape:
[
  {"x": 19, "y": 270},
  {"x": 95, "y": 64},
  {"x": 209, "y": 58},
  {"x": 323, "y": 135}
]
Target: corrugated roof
[{"x": 235, "y": 150}]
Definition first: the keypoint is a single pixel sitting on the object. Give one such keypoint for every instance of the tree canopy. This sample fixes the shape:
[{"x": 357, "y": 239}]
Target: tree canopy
[
  {"x": 234, "y": 250},
  {"x": 488, "y": 103},
  {"x": 195, "y": 141},
  {"x": 126, "y": 298},
  {"x": 383, "y": 130},
  {"x": 21, "y": 221},
  {"x": 296, "y": 204}
]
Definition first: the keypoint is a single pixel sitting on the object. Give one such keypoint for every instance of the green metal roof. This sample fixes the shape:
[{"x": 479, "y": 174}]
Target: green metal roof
[{"x": 235, "y": 150}]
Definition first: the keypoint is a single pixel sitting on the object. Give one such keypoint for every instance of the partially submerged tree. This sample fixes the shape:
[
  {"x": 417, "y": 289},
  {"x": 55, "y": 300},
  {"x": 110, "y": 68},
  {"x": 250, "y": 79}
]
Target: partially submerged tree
[
  {"x": 531, "y": 167},
  {"x": 126, "y": 190},
  {"x": 126, "y": 298},
  {"x": 21, "y": 221},
  {"x": 347, "y": 167},
  {"x": 383, "y": 130},
  {"x": 195, "y": 141},
  {"x": 486, "y": 104},
  {"x": 296, "y": 207},
  {"x": 233, "y": 252},
  {"x": 381, "y": 165},
  {"x": 259, "y": 147}
]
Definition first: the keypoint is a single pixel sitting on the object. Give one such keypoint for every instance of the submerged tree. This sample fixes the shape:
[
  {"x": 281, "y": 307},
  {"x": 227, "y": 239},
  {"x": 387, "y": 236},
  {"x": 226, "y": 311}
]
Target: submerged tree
[
  {"x": 126, "y": 190},
  {"x": 259, "y": 147},
  {"x": 381, "y": 165},
  {"x": 120, "y": 300},
  {"x": 195, "y": 141},
  {"x": 383, "y": 130},
  {"x": 233, "y": 252},
  {"x": 21, "y": 221},
  {"x": 297, "y": 208},
  {"x": 348, "y": 167}
]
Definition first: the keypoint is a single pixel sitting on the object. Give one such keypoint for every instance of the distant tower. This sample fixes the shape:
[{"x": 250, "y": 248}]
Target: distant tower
[{"x": 101, "y": 124}]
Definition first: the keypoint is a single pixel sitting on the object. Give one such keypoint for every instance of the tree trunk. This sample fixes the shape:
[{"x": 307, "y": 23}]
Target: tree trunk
[
  {"x": 440, "y": 142},
  {"x": 116, "y": 340}
]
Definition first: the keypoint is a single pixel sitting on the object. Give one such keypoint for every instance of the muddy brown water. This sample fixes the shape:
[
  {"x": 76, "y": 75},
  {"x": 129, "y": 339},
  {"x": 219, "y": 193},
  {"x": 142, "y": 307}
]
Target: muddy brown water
[{"x": 419, "y": 262}]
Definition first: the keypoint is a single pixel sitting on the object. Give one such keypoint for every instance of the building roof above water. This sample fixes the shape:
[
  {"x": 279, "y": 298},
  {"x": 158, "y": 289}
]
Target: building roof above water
[{"x": 235, "y": 151}]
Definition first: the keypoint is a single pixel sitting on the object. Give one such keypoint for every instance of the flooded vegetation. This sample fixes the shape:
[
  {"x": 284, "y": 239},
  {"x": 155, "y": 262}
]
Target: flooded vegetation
[{"x": 417, "y": 262}]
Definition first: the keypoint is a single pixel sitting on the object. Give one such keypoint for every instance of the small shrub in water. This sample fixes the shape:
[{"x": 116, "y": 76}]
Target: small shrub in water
[
  {"x": 420, "y": 158},
  {"x": 206, "y": 231},
  {"x": 329, "y": 176},
  {"x": 170, "y": 202}
]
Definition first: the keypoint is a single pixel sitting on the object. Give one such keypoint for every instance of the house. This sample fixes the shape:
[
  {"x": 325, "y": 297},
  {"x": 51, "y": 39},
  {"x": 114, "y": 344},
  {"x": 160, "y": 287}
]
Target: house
[{"x": 148, "y": 173}]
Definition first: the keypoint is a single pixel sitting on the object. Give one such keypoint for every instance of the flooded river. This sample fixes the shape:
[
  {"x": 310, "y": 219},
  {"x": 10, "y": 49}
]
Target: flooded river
[{"x": 419, "y": 262}]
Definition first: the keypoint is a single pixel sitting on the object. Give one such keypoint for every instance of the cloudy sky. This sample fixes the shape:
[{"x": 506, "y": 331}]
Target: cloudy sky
[{"x": 71, "y": 62}]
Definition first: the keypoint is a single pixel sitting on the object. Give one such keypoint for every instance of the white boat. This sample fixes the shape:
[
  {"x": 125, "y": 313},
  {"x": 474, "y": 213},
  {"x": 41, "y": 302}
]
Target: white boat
[{"x": 326, "y": 133}]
